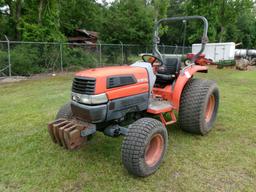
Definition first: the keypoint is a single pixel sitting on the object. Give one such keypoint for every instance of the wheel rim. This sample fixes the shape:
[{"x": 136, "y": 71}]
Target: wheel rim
[
  {"x": 210, "y": 108},
  {"x": 154, "y": 150},
  {"x": 188, "y": 62}
]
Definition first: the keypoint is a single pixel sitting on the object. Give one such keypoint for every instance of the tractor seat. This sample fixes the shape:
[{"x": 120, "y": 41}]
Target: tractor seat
[{"x": 167, "y": 73}]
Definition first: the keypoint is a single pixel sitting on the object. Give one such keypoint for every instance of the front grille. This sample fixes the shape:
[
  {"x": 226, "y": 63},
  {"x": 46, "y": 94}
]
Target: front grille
[{"x": 84, "y": 85}]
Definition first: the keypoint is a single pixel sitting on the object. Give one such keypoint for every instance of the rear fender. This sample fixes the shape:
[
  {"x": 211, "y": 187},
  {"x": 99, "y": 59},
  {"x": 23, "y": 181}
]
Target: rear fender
[{"x": 181, "y": 81}]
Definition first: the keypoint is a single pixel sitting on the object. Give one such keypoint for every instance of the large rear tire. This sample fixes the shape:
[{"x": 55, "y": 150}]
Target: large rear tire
[
  {"x": 199, "y": 106},
  {"x": 144, "y": 146}
]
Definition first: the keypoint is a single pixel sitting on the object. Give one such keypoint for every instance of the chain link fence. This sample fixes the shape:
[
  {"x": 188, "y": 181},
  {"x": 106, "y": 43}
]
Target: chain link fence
[{"x": 28, "y": 58}]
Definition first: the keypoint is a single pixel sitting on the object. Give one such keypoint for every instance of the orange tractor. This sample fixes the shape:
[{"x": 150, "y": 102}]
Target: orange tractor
[{"x": 138, "y": 102}]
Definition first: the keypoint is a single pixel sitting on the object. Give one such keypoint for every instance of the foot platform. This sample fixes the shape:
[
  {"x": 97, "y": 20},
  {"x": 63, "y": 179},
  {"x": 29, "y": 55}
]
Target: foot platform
[{"x": 159, "y": 107}]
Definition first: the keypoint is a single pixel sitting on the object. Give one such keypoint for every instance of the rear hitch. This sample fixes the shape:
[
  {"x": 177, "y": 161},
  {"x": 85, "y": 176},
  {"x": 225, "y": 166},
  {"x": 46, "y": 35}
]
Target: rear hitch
[
  {"x": 115, "y": 131},
  {"x": 70, "y": 134}
]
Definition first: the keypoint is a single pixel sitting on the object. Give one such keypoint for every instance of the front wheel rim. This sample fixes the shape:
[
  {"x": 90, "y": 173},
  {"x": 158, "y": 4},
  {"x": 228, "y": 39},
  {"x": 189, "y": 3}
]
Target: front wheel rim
[
  {"x": 154, "y": 150},
  {"x": 210, "y": 108}
]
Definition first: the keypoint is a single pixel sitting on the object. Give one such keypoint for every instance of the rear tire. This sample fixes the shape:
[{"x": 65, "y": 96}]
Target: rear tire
[
  {"x": 65, "y": 112},
  {"x": 199, "y": 106},
  {"x": 144, "y": 146}
]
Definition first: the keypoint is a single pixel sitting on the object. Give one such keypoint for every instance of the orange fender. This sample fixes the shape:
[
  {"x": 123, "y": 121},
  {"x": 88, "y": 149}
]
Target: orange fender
[{"x": 182, "y": 79}]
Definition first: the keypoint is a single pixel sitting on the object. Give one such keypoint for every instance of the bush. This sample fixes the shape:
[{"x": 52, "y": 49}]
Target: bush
[
  {"x": 28, "y": 59},
  {"x": 3, "y": 59},
  {"x": 25, "y": 60},
  {"x": 77, "y": 58}
]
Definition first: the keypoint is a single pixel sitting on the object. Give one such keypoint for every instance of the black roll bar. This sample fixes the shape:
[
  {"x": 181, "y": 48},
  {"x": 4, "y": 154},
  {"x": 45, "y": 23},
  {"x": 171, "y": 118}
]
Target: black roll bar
[{"x": 157, "y": 53}]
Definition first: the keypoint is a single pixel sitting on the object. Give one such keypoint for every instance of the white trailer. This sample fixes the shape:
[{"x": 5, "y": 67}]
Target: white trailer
[{"x": 217, "y": 51}]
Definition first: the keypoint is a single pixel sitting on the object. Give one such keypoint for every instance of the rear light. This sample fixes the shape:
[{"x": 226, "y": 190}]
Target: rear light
[{"x": 89, "y": 99}]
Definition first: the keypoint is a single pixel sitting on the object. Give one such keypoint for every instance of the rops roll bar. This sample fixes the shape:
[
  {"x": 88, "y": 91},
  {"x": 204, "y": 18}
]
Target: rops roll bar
[{"x": 157, "y": 53}]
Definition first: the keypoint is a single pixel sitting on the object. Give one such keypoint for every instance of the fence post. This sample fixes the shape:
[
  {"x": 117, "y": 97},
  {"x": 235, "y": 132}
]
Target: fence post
[
  {"x": 184, "y": 36},
  {"x": 9, "y": 56},
  {"x": 61, "y": 57},
  {"x": 100, "y": 52},
  {"x": 122, "y": 52}
]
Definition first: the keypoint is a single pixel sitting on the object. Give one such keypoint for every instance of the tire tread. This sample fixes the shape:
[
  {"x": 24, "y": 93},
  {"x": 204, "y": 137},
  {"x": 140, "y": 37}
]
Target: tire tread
[{"x": 134, "y": 144}]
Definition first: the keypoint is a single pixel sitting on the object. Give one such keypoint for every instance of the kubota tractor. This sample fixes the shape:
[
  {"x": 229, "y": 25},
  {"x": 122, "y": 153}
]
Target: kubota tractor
[{"x": 138, "y": 102}]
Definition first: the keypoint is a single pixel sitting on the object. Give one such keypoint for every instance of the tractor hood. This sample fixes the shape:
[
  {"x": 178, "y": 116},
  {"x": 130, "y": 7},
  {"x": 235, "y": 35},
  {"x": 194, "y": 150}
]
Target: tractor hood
[
  {"x": 116, "y": 82},
  {"x": 110, "y": 71}
]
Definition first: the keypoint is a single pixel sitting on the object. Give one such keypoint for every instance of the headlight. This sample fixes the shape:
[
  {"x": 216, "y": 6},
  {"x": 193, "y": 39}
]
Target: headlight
[{"x": 89, "y": 99}]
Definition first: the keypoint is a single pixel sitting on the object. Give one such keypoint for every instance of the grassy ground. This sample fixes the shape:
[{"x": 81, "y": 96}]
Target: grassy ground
[{"x": 224, "y": 160}]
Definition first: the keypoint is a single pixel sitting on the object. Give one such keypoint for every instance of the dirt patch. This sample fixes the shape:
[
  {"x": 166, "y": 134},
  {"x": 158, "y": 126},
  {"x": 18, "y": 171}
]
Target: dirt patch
[
  {"x": 251, "y": 68},
  {"x": 10, "y": 186},
  {"x": 44, "y": 75},
  {"x": 14, "y": 79}
]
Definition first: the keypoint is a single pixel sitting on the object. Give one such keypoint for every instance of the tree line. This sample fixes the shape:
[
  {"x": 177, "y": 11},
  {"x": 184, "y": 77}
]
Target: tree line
[{"x": 128, "y": 21}]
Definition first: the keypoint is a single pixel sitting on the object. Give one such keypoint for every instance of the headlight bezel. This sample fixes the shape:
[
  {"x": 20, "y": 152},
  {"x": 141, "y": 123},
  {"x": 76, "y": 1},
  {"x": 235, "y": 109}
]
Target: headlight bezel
[{"x": 89, "y": 99}]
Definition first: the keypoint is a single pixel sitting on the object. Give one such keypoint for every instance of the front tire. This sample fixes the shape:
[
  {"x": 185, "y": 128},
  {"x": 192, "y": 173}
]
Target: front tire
[
  {"x": 199, "y": 106},
  {"x": 144, "y": 146},
  {"x": 65, "y": 112}
]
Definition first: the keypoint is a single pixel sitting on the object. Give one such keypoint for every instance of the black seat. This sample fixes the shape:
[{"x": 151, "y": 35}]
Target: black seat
[{"x": 168, "y": 72}]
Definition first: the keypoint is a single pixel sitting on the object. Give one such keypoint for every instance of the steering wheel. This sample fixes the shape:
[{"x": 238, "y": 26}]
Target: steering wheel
[{"x": 154, "y": 59}]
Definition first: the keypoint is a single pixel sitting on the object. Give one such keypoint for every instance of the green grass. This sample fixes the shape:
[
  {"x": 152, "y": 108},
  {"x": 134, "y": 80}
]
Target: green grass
[{"x": 224, "y": 160}]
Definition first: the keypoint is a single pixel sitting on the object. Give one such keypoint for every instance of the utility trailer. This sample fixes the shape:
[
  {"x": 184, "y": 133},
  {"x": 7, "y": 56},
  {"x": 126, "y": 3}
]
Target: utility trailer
[{"x": 217, "y": 52}]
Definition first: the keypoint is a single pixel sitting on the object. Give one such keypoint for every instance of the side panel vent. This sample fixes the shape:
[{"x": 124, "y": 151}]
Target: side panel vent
[
  {"x": 117, "y": 81},
  {"x": 84, "y": 85}
]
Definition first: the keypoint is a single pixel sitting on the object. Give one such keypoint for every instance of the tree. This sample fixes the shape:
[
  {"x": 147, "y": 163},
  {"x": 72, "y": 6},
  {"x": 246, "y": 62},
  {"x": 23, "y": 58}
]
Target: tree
[
  {"x": 84, "y": 14},
  {"x": 225, "y": 17},
  {"x": 10, "y": 18},
  {"x": 129, "y": 21},
  {"x": 160, "y": 8},
  {"x": 40, "y": 21}
]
